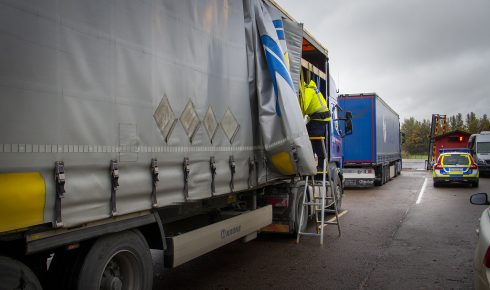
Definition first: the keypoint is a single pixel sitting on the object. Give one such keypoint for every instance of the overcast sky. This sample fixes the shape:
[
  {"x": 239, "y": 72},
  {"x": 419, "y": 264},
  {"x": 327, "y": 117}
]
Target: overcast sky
[{"x": 420, "y": 56}]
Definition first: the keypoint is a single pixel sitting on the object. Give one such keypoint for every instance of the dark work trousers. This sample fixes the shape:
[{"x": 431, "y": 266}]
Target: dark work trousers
[{"x": 318, "y": 129}]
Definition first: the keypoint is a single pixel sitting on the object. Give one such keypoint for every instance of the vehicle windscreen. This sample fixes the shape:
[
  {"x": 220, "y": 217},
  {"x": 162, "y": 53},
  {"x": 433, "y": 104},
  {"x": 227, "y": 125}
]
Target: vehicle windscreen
[
  {"x": 483, "y": 147},
  {"x": 456, "y": 159}
]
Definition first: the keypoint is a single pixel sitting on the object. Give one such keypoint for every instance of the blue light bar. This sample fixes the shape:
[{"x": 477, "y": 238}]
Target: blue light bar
[{"x": 447, "y": 150}]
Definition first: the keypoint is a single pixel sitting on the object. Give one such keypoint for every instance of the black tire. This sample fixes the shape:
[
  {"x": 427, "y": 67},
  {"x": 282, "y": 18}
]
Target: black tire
[
  {"x": 436, "y": 184},
  {"x": 385, "y": 175},
  {"x": 339, "y": 193},
  {"x": 37, "y": 264},
  {"x": 382, "y": 176},
  {"x": 297, "y": 210},
  {"x": 379, "y": 175},
  {"x": 16, "y": 275},
  {"x": 475, "y": 184},
  {"x": 121, "y": 259}
]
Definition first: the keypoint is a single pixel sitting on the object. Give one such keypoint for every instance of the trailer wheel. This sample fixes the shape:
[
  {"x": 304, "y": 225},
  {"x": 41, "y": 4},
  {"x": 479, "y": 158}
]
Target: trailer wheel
[
  {"x": 379, "y": 175},
  {"x": 386, "y": 172},
  {"x": 398, "y": 168},
  {"x": 16, "y": 275},
  {"x": 118, "y": 261},
  {"x": 339, "y": 193},
  {"x": 298, "y": 207}
]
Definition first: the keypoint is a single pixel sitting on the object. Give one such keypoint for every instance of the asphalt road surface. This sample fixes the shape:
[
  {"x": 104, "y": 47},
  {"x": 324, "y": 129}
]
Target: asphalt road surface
[
  {"x": 417, "y": 164},
  {"x": 401, "y": 235}
]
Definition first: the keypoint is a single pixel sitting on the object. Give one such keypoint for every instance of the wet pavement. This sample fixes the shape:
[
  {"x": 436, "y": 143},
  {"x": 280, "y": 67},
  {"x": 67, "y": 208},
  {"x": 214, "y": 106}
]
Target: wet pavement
[
  {"x": 389, "y": 241},
  {"x": 417, "y": 164}
]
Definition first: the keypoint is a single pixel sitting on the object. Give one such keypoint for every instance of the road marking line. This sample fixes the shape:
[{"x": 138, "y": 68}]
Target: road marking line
[
  {"x": 340, "y": 214},
  {"x": 422, "y": 190},
  {"x": 334, "y": 218}
]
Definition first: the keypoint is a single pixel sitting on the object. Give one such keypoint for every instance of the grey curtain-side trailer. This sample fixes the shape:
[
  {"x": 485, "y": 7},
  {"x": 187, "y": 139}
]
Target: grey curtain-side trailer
[{"x": 127, "y": 126}]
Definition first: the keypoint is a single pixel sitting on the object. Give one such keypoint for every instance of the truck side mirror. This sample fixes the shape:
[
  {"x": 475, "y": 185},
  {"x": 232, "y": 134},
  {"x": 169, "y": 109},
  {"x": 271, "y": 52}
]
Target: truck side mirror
[
  {"x": 402, "y": 137},
  {"x": 479, "y": 199},
  {"x": 348, "y": 126},
  {"x": 348, "y": 115}
]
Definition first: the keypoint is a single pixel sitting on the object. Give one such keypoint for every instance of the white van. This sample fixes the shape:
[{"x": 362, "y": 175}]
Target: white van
[{"x": 480, "y": 149}]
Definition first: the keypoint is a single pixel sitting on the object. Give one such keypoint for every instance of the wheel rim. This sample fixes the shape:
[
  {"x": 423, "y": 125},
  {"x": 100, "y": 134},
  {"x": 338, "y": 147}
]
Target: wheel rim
[{"x": 122, "y": 272}]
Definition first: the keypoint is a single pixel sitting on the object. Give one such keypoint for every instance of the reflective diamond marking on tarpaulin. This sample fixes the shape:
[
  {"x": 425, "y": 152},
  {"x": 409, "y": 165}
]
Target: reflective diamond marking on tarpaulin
[
  {"x": 190, "y": 120},
  {"x": 230, "y": 125},
  {"x": 165, "y": 118},
  {"x": 210, "y": 123}
]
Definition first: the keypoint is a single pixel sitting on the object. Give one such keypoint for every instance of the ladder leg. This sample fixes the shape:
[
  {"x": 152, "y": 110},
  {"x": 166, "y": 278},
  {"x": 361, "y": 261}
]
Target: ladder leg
[{"x": 324, "y": 193}]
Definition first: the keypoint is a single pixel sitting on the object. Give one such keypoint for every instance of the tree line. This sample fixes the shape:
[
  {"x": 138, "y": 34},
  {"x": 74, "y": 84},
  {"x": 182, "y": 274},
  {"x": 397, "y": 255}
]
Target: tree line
[{"x": 417, "y": 133}]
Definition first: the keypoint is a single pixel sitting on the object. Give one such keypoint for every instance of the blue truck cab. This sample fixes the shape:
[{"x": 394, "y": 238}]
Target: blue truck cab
[{"x": 336, "y": 126}]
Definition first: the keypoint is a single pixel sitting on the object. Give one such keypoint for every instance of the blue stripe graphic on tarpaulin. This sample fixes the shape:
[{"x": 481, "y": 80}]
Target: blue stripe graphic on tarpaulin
[
  {"x": 277, "y": 23},
  {"x": 280, "y": 34},
  {"x": 279, "y": 29},
  {"x": 275, "y": 63}
]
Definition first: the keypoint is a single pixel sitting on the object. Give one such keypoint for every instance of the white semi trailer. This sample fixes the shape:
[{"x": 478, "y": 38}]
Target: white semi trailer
[{"x": 130, "y": 125}]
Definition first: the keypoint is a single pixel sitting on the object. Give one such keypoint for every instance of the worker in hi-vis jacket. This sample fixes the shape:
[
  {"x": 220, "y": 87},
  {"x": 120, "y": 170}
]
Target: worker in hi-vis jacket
[{"x": 313, "y": 105}]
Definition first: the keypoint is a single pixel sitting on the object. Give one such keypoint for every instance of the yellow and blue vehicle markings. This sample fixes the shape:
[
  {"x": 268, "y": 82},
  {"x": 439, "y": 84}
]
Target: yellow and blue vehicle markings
[{"x": 448, "y": 172}]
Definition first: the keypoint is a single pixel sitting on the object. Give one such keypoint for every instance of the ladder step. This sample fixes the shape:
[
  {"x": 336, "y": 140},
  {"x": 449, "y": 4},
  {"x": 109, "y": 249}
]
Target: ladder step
[
  {"x": 309, "y": 234},
  {"x": 312, "y": 203},
  {"x": 328, "y": 223},
  {"x": 326, "y": 210},
  {"x": 326, "y": 197}
]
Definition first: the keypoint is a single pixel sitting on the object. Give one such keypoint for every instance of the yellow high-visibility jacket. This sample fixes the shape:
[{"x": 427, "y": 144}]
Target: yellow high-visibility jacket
[{"x": 313, "y": 102}]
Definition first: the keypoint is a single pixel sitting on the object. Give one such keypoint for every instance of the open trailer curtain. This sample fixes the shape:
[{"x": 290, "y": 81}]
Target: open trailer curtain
[
  {"x": 282, "y": 127},
  {"x": 293, "y": 33}
]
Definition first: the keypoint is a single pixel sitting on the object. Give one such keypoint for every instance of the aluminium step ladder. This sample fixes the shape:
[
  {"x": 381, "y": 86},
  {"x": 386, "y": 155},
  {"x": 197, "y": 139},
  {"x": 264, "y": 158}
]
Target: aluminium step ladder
[{"x": 319, "y": 202}]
